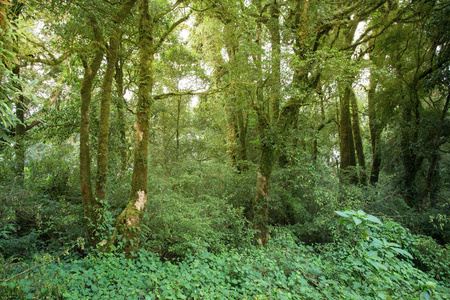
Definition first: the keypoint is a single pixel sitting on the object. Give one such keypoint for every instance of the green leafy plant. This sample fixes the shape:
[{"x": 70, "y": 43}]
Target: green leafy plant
[{"x": 374, "y": 258}]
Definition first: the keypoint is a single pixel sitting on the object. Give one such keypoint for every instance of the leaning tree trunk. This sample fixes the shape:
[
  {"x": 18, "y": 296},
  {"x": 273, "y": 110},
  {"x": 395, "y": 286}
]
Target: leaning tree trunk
[{"x": 129, "y": 221}]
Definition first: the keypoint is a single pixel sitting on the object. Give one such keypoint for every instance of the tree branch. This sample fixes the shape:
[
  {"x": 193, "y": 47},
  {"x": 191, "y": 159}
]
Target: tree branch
[
  {"x": 168, "y": 31},
  {"x": 165, "y": 12},
  {"x": 190, "y": 92}
]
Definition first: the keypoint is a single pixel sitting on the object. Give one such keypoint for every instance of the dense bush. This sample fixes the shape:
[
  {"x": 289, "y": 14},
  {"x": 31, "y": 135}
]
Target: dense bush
[
  {"x": 197, "y": 243},
  {"x": 45, "y": 213},
  {"x": 363, "y": 264}
]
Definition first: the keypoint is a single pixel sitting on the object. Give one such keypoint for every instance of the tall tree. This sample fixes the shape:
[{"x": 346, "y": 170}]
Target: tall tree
[
  {"x": 412, "y": 57},
  {"x": 93, "y": 205},
  {"x": 129, "y": 221}
]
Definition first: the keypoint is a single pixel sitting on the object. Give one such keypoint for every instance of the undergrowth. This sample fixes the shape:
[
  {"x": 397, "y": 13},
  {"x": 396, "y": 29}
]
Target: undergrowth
[{"x": 365, "y": 262}]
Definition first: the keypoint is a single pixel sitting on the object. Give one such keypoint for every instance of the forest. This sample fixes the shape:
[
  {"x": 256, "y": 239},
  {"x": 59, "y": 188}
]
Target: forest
[{"x": 224, "y": 149}]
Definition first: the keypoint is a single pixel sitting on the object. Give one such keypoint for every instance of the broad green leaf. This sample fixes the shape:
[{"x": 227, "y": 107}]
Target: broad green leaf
[
  {"x": 342, "y": 214},
  {"x": 376, "y": 243},
  {"x": 357, "y": 220},
  {"x": 425, "y": 295},
  {"x": 361, "y": 213},
  {"x": 402, "y": 252},
  {"x": 373, "y": 219},
  {"x": 377, "y": 265}
]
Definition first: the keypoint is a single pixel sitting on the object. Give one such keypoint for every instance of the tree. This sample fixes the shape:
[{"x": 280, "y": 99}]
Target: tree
[
  {"x": 412, "y": 56},
  {"x": 128, "y": 223}
]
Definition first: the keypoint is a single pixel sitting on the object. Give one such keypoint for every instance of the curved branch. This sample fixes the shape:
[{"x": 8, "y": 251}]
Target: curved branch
[{"x": 168, "y": 31}]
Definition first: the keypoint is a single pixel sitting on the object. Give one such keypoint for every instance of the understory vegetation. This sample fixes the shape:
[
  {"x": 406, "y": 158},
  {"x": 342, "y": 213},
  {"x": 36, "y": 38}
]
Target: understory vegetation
[{"x": 197, "y": 243}]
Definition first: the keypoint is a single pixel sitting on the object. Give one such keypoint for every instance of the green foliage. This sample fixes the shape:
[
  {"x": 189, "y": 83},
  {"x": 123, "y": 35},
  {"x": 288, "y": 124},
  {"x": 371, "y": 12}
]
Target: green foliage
[
  {"x": 428, "y": 255},
  {"x": 191, "y": 212},
  {"x": 284, "y": 269},
  {"x": 45, "y": 212},
  {"x": 376, "y": 261}
]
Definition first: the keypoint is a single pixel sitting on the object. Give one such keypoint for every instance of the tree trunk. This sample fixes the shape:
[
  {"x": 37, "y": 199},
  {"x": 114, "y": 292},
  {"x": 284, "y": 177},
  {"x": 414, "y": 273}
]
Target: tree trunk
[
  {"x": 346, "y": 140},
  {"x": 347, "y": 147},
  {"x": 120, "y": 106},
  {"x": 19, "y": 147},
  {"x": 242, "y": 122},
  {"x": 375, "y": 132},
  {"x": 410, "y": 159},
  {"x": 260, "y": 205},
  {"x": 268, "y": 119},
  {"x": 357, "y": 138},
  {"x": 315, "y": 151},
  {"x": 434, "y": 156},
  {"x": 232, "y": 143},
  {"x": 236, "y": 114},
  {"x": 87, "y": 195},
  {"x": 177, "y": 137},
  {"x": 275, "y": 79},
  {"x": 103, "y": 134},
  {"x": 290, "y": 112},
  {"x": 128, "y": 223},
  {"x": 92, "y": 205}
]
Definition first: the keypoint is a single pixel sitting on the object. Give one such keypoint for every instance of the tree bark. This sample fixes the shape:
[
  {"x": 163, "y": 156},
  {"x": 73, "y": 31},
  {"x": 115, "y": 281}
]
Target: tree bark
[
  {"x": 92, "y": 205},
  {"x": 375, "y": 132},
  {"x": 105, "y": 109},
  {"x": 275, "y": 79},
  {"x": 236, "y": 113},
  {"x": 120, "y": 106},
  {"x": 19, "y": 146},
  {"x": 346, "y": 142},
  {"x": 177, "y": 137},
  {"x": 242, "y": 122},
  {"x": 260, "y": 205},
  {"x": 232, "y": 143},
  {"x": 357, "y": 138},
  {"x": 346, "y": 139},
  {"x": 87, "y": 195},
  {"x": 128, "y": 223},
  {"x": 410, "y": 158},
  {"x": 434, "y": 156}
]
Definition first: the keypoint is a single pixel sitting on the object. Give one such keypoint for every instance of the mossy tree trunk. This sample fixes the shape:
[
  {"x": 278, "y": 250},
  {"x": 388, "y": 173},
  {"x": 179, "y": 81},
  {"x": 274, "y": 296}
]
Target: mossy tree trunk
[
  {"x": 103, "y": 134},
  {"x": 433, "y": 160},
  {"x": 260, "y": 205},
  {"x": 375, "y": 131},
  {"x": 410, "y": 157},
  {"x": 93, "y": 204},
  {"x": 128, "y": 223},
  {"x": 357, "y": 138},
  {"x": 19, "y": 146},
  {"x": 346, "y": 138},
  {"x": 274, "y": 118},
  {"x": 346, "y": 142},
  {"x": 120, "y": 106},
  {"x": 90, "y": 72}
]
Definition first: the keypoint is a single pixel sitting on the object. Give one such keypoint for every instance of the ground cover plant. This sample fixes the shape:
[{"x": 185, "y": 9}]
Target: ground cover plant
[{"x": 365, "y": 262}]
